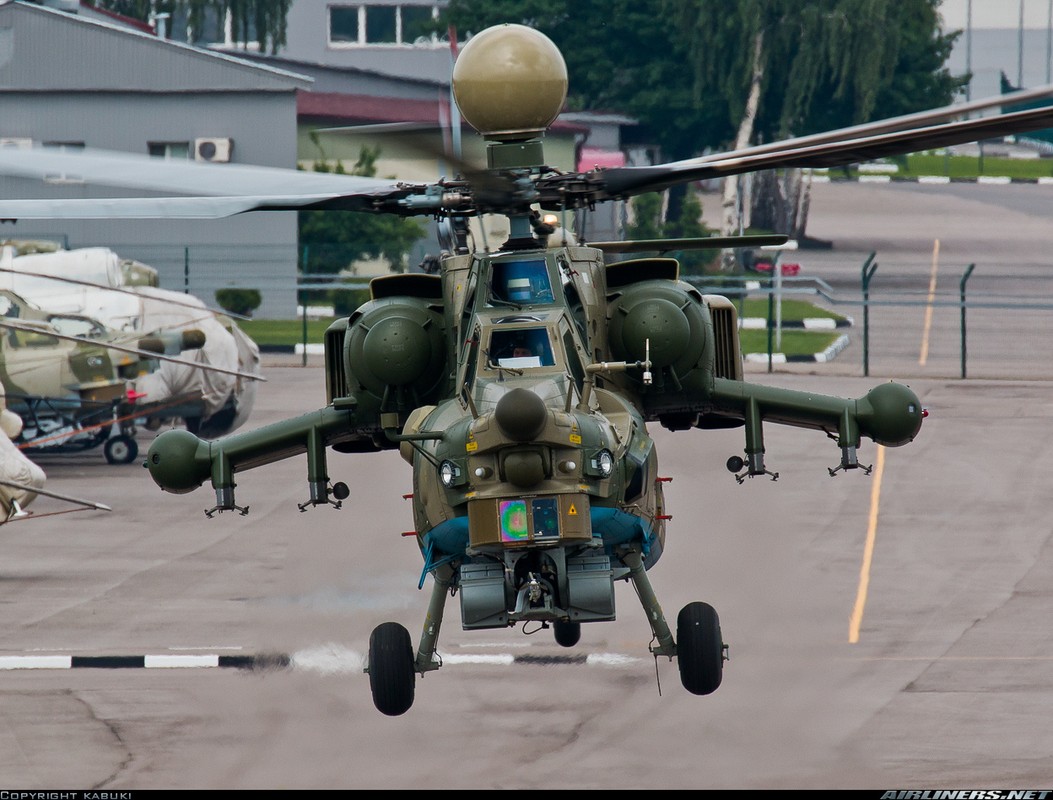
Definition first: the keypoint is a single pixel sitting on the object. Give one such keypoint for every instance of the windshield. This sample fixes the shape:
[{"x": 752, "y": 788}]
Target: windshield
[
  {"x": 521, "y": 282},
  {"x": 521, "y": 348}
]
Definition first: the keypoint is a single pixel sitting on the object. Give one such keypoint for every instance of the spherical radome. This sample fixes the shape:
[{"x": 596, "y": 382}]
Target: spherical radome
[{"x": 510, "y": 82}]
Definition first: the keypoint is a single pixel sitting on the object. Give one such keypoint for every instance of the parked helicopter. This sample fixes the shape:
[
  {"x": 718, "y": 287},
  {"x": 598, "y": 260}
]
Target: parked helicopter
[
  {"x": 72, "y": 381},
  {"x": 123, "y": 294},
  {"x": 519, "y": 382}
]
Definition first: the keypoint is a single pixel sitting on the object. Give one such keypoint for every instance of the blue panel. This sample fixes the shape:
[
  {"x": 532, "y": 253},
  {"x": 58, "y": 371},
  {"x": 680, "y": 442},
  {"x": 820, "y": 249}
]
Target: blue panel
[
  {"x": 616, "y": 527},
  {"x": 450, "y": 538}
]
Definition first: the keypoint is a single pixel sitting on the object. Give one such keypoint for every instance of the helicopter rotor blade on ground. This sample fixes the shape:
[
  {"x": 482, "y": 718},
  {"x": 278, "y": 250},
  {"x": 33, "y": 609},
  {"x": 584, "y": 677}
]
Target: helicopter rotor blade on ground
[
  {"x": 118, "y": 289},
  {"x": 89, "y": 504}
]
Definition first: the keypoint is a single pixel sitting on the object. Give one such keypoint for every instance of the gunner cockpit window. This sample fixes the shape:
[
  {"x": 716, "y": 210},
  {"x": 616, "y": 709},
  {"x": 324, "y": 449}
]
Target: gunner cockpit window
[
  {"x": 521, "y": 349},
  {"x": 522, "y": 282}
]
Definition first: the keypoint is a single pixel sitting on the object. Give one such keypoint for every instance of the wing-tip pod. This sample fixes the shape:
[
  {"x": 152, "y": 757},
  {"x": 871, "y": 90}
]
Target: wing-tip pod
[
  {"x": 890, "y": 414},
  {"x": 178, "y": 461}
]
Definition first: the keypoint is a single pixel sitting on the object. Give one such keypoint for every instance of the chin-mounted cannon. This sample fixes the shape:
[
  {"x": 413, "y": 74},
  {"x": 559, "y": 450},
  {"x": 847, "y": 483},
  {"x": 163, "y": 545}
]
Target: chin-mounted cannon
[{"x": 889, "y": 414}]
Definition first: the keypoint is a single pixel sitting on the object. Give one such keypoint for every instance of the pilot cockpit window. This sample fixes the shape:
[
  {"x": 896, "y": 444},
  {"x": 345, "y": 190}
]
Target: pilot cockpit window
[
  {"x": 521, "y": 349},
  {"x": 522, "y": 282}
]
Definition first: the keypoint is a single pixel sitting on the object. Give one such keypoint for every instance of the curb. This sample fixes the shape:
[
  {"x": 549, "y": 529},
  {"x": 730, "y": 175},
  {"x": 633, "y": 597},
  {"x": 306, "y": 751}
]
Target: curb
[
  {"x": 829, "y": 354},
  {"x": 163, "y": 661},
  {"x": 932, "y": 179},
  {"x": 811, "y": 323}
]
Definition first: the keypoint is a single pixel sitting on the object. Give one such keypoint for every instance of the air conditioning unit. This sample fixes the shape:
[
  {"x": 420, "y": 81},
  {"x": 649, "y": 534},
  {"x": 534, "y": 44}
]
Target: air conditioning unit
[{"x": 213, "y": 149}]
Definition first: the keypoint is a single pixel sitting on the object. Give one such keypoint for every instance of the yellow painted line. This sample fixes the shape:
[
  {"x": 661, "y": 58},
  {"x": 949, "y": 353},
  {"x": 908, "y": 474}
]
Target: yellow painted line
[
  {"x": 868, "y": 549},
  {"x": 928, "y": 308}
]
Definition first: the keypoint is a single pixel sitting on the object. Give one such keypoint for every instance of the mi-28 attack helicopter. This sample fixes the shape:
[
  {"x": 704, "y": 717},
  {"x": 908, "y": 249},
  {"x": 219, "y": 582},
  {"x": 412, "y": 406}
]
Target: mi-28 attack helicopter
[{"x": 519, "y": 382}]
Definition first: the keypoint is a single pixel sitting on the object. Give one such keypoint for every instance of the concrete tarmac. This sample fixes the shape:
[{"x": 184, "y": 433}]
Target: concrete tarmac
[{"x": 886, "y": 631}]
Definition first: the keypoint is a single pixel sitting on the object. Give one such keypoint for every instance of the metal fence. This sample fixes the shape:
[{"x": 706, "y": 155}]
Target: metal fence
[{"x": 974, "y": 322}]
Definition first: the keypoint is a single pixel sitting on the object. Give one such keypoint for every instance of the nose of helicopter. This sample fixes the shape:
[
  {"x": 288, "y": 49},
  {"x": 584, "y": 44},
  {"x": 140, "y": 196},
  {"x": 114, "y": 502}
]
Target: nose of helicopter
[{"x": 521, "y": 415}]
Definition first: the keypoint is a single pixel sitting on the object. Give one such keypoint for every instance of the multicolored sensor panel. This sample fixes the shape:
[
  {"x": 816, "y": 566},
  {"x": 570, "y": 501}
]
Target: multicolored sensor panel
[{"x": 525, "y": 520}]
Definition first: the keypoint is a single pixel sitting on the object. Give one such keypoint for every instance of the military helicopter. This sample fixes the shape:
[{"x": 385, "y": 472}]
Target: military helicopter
[
  {"x": 519, "y": 381},
  {"x": 72, "y": 381},
  {"x": 123, "y": 295}
]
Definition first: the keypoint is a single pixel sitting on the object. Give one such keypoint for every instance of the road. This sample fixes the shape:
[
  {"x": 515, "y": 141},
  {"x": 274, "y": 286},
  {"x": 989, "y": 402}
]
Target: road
[{"x": 940, "y": 680}]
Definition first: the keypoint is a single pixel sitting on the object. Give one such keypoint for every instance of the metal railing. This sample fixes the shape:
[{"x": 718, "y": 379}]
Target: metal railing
[{"x": 996, "y": 323}]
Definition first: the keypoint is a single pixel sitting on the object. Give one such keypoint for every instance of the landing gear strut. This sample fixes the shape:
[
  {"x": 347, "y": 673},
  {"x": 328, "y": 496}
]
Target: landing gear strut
[{"x": 699, "y": 647}]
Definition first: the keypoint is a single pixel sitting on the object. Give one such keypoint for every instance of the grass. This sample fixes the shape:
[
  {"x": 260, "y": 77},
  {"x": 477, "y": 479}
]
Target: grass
[
  {"x": 283, "y": 332},
  {"x": 791, "y": 310},
  {"x": 794, "y": 342},
  {"x": 966, "y": 167}
]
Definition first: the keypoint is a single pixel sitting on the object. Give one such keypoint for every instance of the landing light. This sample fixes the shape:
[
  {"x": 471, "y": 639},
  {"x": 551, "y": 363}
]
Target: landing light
[
  {"x": 448, "y": 473},
  {"x": 603, "y": 463}
]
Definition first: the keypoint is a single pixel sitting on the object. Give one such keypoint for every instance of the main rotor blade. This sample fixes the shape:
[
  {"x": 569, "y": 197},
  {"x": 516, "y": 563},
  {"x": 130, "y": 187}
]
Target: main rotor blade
[
  {"x": 131, "y": 350},
  {"x": 628, "y": 181},
  {"x": 180, "y": 207},
  {"x": 696, "y": 243},
  {"x": 904, "y": 122},
  {"x": 136, "y": 171},
  {"x": 215, "y": 190}
]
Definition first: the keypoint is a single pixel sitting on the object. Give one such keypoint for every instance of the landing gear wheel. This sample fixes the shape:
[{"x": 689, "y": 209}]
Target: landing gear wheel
[
  {"x": 699, "y": 648},
  {"x": 120, "y": 449},
  {"x": 567, "y": 633},
  {"x": 391, "y": 674}
]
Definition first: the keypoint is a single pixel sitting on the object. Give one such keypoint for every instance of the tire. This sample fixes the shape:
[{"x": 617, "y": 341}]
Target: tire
[
  {"x": 699, "y": 648},
  {"x": 391, "y": 675},
  {"x": 120, "y": 449},
  {"x": 567, "y": 633}
]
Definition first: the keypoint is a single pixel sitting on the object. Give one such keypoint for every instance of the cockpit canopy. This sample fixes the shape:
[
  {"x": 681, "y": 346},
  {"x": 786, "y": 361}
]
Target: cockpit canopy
[
  {"x": 521, "y": 281},
  {"x": 521, "y": 348}
]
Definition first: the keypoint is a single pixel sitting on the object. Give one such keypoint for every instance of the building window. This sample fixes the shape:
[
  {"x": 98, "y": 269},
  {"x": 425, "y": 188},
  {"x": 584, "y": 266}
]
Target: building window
[
  {"x": 173, "y": 151},
  {"x": 343, "y": 24},
  {"x": 358, "y": 25},
  {"x": 416, "y": 23}
]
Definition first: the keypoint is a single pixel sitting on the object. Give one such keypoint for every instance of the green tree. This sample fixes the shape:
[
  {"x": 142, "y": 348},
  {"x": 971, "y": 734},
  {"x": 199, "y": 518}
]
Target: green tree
[
  {"x": 789, "y": 69},
  {"x": 333, "y": 240},
  {"x": 700, "y": 74},
  {"x": 262, "y": 20},
  {"x": 622, "y": 55},
  {"x": 647, "y": 223}
]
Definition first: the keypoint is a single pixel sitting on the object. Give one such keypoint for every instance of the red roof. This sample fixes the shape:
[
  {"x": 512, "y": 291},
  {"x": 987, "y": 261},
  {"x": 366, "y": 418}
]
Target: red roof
[
  {"x": 338, "y": 107},
  {"x": 592, "y": 157},
  {"x": 128, "y": 22},
  {"x": 363, "y": 108}
]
